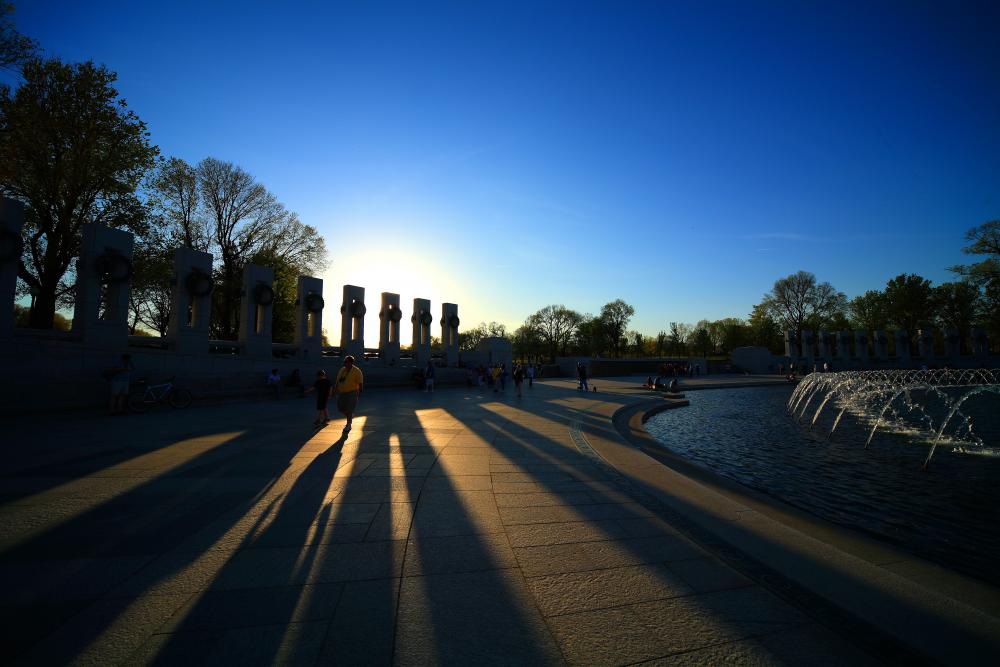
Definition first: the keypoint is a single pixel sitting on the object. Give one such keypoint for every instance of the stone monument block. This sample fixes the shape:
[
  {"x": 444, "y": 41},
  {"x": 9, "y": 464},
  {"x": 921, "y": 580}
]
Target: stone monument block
[
  {"x": 844, "y": 345},
  {"x": 103, "y": 273},
  {"x": 902, "y": 338},
  {"x": 255, "y": 311},
  {"x": 881, "y": 344},
  {"x": 309, "y": 306},
  {"x": 808, "y": 353},
  {"x": 826, "y": 346},
  {"x": 449, "y": 333},
  {"x": 497, "y": 350},
  {"x": 791, "y": 346},
  {"x": 861, "y": 347},
  {"x": 11, "y": 247},
  {"x": 422, "y": 320},
  {"x": 352, "y": 322},
  {"x": 925, "y": 344},
  {"x": 388, "y": 329},
  {"x": 980, "y": 344},
  {"x": 952, "y": 346},
  {"x": 190, "y": 301}
]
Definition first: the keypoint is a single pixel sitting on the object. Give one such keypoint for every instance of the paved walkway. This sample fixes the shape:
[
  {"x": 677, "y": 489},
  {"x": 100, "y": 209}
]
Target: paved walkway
[{"x": 459, "y": 527}]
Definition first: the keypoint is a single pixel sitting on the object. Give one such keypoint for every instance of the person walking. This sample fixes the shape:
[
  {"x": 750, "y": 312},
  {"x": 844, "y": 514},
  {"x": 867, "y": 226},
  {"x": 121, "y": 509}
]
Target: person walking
[
  {"x": 273, "y": 383},
  {"x": 495, "y": 374},
  {"x": 350, "y": 382},
  {"x": 531, "y": 376},
  {"x": 518, "y": 378},
  {"x": 429, "y": 377},
  {"x": 581, "y": 373},
  {"x": 323, "y": 387}
]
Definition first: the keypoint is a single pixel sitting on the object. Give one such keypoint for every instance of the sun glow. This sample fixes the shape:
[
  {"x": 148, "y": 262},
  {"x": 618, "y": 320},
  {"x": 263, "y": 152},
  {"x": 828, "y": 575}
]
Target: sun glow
[{"x": 411, "y": 273}]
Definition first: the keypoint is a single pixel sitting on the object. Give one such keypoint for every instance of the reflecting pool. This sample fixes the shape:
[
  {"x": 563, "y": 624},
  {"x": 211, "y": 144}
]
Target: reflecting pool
[{"x": 947, "y": 513}]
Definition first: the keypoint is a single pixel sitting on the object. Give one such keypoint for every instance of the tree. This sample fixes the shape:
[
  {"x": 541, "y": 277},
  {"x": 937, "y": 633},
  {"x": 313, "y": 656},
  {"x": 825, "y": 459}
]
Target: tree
[
  {"x": 527, "y": 343},
  {"x": 957, "y": 306},
  {"x": 868, "y": 311},
  {"x": 798, "y": 301},
  {"x": 555, "y": 325},
  {"x": 985, "y": 241},
  {"x": 908, "y": 302},
  {"x": 732, "y": 333},
  {"x": 470, "y": 339},
  {"x": 765, "y": 331},
  {"x": 15, "y": 48},
  {"x": 175, "y": 202},
  {"x": 701, "y": 340},
  {"x": 74, "y": 154},
  {"x": 615, "y": 317},
  {"x": 150, "y": 287},
  {"x": 590, "y": 336},
  {"x": 679, "y": 333},
  {"x": 244, "y": 221},
  {"x": 985, "y": 274},
  {"x": 661, "y": 343}
]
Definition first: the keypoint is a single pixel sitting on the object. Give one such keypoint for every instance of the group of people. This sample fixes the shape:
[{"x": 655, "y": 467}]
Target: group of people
[
  {"x": 660, "y": 383},
  {"x": 672, "y": 369},
  {"x": 347, "y": 387},
  {"x": 495, "y": 376}
]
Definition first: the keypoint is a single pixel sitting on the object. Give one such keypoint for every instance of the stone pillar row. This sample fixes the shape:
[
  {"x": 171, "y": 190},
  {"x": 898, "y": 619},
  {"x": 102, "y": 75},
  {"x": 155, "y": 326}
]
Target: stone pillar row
[
  {"x": 104, "y": 270},
  {"x": 876, "y": 346}
]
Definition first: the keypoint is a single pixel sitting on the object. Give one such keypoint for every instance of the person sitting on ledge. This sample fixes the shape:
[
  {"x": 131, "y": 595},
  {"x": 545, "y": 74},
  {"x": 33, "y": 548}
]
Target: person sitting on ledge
[{"x": 672, "y": 387}]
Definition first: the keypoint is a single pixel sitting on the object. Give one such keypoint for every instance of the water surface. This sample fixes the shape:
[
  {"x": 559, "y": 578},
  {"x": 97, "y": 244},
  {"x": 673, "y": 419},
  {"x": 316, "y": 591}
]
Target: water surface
[{"x": 947, "y": 513}]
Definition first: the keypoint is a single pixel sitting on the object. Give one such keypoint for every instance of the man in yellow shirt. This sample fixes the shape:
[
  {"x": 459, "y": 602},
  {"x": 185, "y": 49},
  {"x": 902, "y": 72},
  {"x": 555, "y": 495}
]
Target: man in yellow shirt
[{"x": 348, "y": 386}]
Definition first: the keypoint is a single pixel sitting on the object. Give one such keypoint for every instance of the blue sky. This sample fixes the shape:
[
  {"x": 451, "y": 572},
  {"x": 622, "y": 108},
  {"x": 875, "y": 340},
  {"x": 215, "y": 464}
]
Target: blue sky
[{"x": 504, "y": 156}]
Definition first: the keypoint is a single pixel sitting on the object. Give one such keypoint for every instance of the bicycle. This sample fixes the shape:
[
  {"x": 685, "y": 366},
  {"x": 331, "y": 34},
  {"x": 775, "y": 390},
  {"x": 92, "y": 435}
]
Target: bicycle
[{"x": 157, "y": 393}]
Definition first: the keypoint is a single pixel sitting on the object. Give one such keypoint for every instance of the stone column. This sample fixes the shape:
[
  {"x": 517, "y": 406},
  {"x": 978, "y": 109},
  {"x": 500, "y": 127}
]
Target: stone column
[
  {"x": 309, "y": 305},
  {"x": 952, "y": 347},
  {"x": 190, "y": 301},
  {"x": 388, "y": 330},
  {"x": 255, "y": 311},
  {"x": 903, "y": 348},
  {"x": 861, "y": 348},
  {"x": 422, "y": 320},
  {"x": 826, "y": 346},
  {"x": 925, "y": 344},
  {"x": 449, "y": 333},
  {"x": 808, "y": 355},
  {"x": 791, "y": 346},
  {"x": 103, "y": 271},
  {"x": 843, "y": 346},
  {"x": 881, "y": 343},
  {"x": 11, "y": 246},
  {"x": 352, "y": 322},
  {"x": 980, "y": 344}
]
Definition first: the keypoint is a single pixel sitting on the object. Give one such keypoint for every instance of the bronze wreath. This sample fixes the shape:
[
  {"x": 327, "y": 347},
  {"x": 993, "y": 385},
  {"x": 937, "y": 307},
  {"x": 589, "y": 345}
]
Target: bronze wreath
[
  {"x": 314, "y": 302},
  {"x": 113, "y": 268},
  {"x": 199, "y": 283},
  {"x": 263, "y": 295}
]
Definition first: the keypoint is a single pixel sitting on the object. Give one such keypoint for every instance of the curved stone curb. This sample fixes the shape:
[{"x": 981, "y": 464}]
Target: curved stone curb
[{"x": 892, "y": 617}]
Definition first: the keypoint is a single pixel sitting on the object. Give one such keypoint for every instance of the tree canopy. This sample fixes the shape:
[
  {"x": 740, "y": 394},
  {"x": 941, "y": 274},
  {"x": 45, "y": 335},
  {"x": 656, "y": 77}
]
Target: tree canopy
[
  {"x": 73, "y": 153},
  {"x": 798, "y": 301}
]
